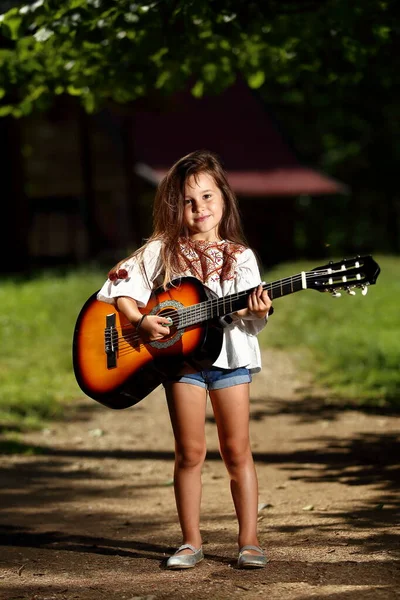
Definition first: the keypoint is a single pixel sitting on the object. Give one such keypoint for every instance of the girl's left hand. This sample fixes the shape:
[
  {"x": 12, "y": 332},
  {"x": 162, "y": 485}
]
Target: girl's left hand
[{"x": 259, "y": 303}]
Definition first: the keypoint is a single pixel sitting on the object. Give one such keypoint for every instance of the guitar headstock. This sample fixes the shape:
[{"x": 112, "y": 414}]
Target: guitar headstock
[{"x": 346, "y": 274}]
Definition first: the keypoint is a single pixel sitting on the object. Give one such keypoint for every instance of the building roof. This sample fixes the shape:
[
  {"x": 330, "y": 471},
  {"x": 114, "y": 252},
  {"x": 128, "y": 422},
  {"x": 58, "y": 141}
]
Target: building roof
[{"x": 235, "y": 126}]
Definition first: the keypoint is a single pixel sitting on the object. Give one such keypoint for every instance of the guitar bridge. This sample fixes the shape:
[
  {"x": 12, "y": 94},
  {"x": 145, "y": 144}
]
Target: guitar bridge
[{"x": 111, "y": 341}]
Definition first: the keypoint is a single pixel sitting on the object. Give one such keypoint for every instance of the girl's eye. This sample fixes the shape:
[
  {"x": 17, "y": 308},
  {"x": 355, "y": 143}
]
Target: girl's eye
[
  {"x": 207, "y": 196},
  {"x": 187, "y": 201}
]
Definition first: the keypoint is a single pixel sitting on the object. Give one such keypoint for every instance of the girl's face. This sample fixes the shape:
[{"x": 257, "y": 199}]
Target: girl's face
[{"x": 204, "y": 207}]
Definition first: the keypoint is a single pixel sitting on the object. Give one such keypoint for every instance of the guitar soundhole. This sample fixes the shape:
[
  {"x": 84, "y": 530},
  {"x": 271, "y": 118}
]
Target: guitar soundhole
[
  {"x": 169, "y": 313},
  {"x": 168, "y": 308}
]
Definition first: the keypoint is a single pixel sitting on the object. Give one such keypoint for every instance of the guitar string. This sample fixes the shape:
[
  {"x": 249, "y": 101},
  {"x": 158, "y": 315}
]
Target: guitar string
[
  {"x": 186, "y": 319},
  {"x": 125, "y": 345},
  {"x": 222, "y": 301},
  {"x": 201, "y": 312}
]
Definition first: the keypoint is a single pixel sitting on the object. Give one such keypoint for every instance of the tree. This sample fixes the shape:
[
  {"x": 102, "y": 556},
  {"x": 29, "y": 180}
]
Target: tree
[{"x": 120, "y": 50}]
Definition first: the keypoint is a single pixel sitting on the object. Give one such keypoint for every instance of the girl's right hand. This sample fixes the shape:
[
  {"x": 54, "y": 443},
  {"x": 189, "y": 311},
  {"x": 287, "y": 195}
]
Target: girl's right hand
[{"x": 153, "y": 328}]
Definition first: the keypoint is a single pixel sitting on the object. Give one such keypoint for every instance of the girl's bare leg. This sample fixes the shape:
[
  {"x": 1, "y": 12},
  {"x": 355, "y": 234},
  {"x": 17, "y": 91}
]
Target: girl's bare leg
[
  {"x": 231, "y": 411},
  {"x": 187, "y": 408}
]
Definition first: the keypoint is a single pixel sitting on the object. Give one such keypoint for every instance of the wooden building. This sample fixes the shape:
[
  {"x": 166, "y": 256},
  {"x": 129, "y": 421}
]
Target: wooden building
[{"x": 77, "y": 187}]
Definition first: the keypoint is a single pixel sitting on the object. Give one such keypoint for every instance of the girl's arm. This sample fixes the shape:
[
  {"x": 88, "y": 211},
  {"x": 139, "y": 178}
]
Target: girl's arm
[
  {"x": 248, "y": 276},
  {"x": 151, "y": 328}
]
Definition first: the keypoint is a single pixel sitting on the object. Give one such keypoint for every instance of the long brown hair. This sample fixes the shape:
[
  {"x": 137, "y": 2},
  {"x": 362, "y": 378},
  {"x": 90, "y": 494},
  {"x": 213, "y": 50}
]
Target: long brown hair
[{"x": 168, "y": 209}]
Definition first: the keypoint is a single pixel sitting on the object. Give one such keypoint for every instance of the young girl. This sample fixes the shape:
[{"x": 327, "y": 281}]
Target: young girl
[{"x": 197, "y": 232}]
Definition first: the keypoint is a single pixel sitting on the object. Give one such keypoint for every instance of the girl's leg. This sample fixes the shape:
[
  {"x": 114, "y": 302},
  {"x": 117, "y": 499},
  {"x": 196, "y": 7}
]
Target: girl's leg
[
  {"x": 187, "y": 408},
  {"x": 231, "y": 411}
]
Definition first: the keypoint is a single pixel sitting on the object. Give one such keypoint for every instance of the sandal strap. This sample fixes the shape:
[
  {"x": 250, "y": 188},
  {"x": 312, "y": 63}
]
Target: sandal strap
[
  {"x": 256, "y": 548},
  {"x": 187, "y": 547}
]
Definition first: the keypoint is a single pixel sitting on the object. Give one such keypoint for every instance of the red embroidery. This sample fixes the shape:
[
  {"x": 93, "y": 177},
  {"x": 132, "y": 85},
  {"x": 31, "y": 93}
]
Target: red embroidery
[
  {"x": 209, "y": 261},
  {"x": 122, "y": 274}
]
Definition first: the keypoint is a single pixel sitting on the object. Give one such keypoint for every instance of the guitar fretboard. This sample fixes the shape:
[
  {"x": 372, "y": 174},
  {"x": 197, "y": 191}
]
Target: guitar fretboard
[{"x": 220, "y": 307}]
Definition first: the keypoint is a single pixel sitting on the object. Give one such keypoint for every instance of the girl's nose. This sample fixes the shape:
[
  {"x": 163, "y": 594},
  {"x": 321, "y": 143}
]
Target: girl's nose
[{"x": 198, "y": 205}]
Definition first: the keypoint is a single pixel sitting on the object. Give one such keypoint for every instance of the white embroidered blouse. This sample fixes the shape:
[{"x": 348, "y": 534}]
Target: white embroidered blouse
[{"x": 224, "y": 267}]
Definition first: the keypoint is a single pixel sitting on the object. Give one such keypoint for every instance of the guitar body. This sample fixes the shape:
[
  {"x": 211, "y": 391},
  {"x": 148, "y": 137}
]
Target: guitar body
[{"x": 115, "y": 368}]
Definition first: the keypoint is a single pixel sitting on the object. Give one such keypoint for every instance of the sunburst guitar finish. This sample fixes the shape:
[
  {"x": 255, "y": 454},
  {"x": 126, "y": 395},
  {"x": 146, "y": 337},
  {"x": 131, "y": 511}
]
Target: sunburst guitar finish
[{"x": 113, "y": 366}]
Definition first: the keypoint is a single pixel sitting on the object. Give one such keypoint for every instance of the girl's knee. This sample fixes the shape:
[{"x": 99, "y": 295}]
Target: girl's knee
[
  {"x": 190, "y": 456},
  {"x": 236, "y": 454}
]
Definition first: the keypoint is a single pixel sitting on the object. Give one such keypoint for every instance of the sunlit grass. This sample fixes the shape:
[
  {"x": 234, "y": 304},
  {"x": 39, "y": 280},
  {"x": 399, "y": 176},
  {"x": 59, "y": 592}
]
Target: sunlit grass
[
  {"x": 355, "y": 340},
  {"x": 37, "y": 323}
]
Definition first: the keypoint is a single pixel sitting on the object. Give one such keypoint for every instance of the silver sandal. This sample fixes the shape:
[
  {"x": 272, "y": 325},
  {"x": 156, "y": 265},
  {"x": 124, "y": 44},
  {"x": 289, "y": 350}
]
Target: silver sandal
[
  {"x": 250, "y": 561},
  {"x": 185, "y": 561}
]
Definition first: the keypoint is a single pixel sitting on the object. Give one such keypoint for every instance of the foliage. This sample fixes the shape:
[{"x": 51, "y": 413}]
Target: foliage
[
  {"x": 354, "y": 339},
  {"x": 121, "y": 50}
]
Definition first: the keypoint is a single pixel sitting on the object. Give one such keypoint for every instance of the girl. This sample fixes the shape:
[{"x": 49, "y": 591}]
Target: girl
[{"x": 197, "y": 232}]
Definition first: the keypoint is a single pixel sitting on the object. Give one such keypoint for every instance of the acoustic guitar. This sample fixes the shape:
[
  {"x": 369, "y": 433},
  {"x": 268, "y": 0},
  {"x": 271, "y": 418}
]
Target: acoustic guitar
[{"x": 115, "y": 367}]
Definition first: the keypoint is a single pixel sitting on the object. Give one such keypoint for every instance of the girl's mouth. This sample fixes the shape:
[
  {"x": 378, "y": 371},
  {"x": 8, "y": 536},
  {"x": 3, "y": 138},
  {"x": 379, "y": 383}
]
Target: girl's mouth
[{"x": 201, "y": 219}]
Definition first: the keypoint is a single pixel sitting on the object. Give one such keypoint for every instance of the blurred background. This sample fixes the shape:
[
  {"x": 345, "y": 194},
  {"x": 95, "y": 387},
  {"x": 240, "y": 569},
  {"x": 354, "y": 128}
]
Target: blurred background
[
  {"x": 301, "y": 107},
  {"x": 98, "y": 99}
]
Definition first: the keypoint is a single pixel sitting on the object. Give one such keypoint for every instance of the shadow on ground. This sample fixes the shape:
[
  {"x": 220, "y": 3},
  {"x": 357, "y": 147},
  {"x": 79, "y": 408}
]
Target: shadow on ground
[
  {"x": 312, "y": 408},
  {"x": 370, "y": 458},
  {"x": 40, "y": 524}
]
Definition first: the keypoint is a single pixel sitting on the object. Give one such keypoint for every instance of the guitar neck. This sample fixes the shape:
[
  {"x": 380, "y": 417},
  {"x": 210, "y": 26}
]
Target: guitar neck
[{"x": 220, "y": 307}]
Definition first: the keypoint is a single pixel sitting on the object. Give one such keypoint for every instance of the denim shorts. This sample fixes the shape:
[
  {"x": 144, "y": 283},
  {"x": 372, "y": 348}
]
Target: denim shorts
[{"x": 214, "y": 378}]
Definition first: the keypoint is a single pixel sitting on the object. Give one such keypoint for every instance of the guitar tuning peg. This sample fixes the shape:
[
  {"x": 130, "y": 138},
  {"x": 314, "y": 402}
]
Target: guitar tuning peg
[
  {"x": 364, "y": 290},
  {"x": 336, "y": 294},
  {"x": 350, "y": 292}
]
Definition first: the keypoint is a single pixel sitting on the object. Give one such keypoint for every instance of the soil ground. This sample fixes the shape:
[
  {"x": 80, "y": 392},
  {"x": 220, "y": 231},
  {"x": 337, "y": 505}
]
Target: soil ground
[{"x": 93, "y": 515}]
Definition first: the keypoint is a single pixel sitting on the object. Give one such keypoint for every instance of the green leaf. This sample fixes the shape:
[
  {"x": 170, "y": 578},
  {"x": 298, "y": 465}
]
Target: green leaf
[
  {"x": 77, "y": 3},
  {"x": 37, "y": 92},
  {"x": 198, "y": 89},
  {"x": 210, "y": 71},
  {"x": 12, "y": 24},
  {"x": 382, "y": 32},
  {"x": 74, "y": 91},
  {"x": 162, "y": 79},
  {"x": 255, "y": 80},
  {"x": 89, "y": 102},
  {"x": 26, "y": 107},
  {"x": 6, "y": 110},
  {"x": 157, "y": 57}
]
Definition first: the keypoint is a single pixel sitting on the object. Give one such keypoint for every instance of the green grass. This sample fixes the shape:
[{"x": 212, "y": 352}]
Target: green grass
[
  {"x": 355, "y": 340},
  {"x": 37, "y": 319}
]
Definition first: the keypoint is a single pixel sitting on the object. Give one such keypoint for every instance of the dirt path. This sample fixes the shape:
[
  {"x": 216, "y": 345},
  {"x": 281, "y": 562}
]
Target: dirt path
[{"x": 93, "y": 516}]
